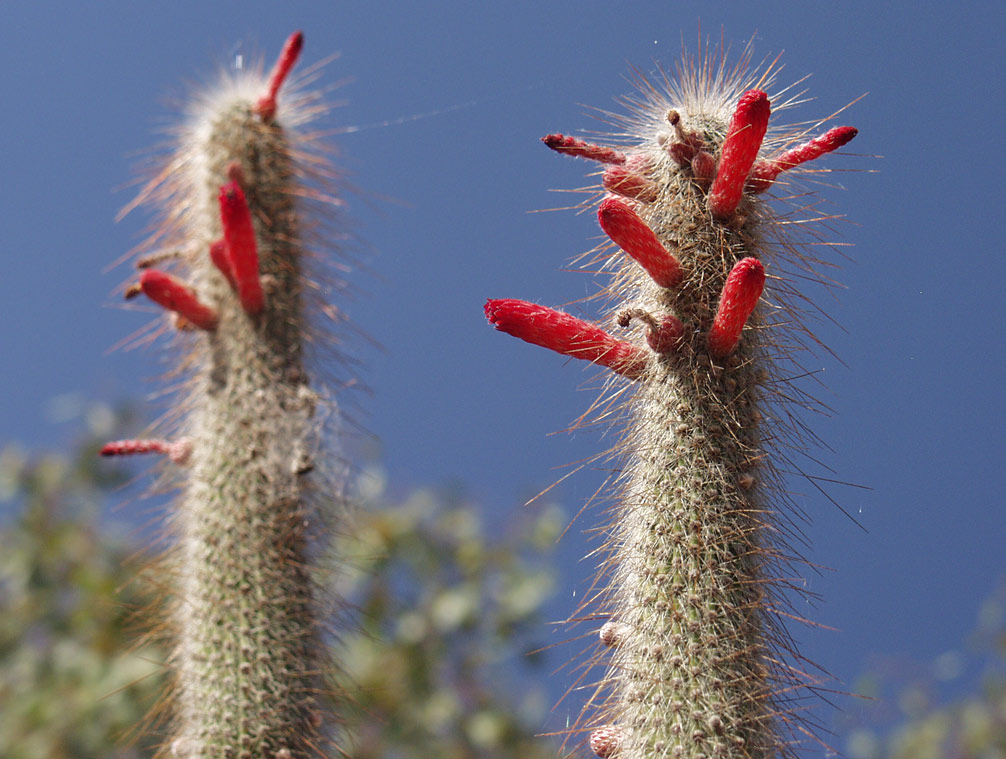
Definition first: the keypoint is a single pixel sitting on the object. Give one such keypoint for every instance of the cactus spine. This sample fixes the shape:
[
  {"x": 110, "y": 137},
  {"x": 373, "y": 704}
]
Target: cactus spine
[
  {"x": 697, "y": 659},
  {"x": 249, "y": 663}
]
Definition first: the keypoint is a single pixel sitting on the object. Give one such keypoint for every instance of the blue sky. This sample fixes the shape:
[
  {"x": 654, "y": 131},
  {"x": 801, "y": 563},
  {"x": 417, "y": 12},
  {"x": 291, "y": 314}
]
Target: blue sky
[{"x": 450, "y": 99}]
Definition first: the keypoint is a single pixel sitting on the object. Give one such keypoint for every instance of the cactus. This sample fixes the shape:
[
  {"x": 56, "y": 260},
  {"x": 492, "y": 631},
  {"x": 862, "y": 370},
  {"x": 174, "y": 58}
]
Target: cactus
[
  {"x": 245, "y": 614},
  {"x": 697, "y": 660}
]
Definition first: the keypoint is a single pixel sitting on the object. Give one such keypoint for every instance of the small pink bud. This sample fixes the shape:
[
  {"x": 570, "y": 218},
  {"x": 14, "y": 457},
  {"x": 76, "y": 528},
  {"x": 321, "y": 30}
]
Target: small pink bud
[
  {"x": 605, "y": 741},
  {"x": 667, "y": 335},
  {"x": 765, "y": 172},
  {"x": 564, "y": 334},
  {"x": 663, "y": 335},
  {"x": 180, "y": 451},
  {"x": 740, "y": 295},
  {"x": 169, "y": 292},
  {"x": 739, "y": 151},
  {"x": 631, "y": 234},
  {"x": 560, "y": 143},
  {"x": 236, "y": 174},
  {"x": 612, "y": 634},
  {"x": 266, "y": 106},
  {"x": 681, "y": 152},
  {"x": 704, "y": 167},
  {"x": 242, "y": 252}
]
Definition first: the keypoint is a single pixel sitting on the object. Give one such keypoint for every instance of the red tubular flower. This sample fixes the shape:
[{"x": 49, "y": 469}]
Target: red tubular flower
[
  {"x": 765, "y": 172},
  {"x": 741, "y": 292},
  {"x": 242, "y": 252},
  {"x": 564, "y": 334},
  {"x": 169, "y": 292},
  {"x": 178, "y": 452},
  {"x": 628, "y": 182},
  {"x": 266, "y": 105},
  {"x": 218, "y": 255},
  {"x": 631, "y": 234},
  {"x": 739, "y": 151},
  {"x": 560, "y": 143}
]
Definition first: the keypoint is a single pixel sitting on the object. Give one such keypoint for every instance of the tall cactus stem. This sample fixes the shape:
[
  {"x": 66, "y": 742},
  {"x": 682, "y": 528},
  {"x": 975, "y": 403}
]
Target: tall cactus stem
[
  {"x": 251, "y": 659},
  {"x": 697, "y": 662}
]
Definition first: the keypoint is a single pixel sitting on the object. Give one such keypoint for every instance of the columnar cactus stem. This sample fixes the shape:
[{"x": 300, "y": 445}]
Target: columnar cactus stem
[
  {"x": 695, "y": 648},
  {"x": 249, "y": 660}
]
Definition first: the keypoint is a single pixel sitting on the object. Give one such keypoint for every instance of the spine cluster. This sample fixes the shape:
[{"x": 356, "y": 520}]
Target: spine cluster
[
  {"x": 693, "y": 643},
  {"x": 249, "y": 663}
]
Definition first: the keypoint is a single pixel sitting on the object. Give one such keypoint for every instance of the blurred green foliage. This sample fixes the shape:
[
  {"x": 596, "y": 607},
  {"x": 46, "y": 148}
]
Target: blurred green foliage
[
  {"x": 439, "y": 656},
  {"x": 72, "y": 680},
  {"x": 927, "y": 724},
  {"x": 438, "y": 651},
  {"x": 448, "y": 619}
]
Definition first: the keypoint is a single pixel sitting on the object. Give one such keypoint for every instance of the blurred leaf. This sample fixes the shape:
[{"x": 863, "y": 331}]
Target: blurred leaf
[
  {"x": 439, "y": 665},
  {"x": 72, "y": 682},
  {"x": 972, "y": 726}
]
